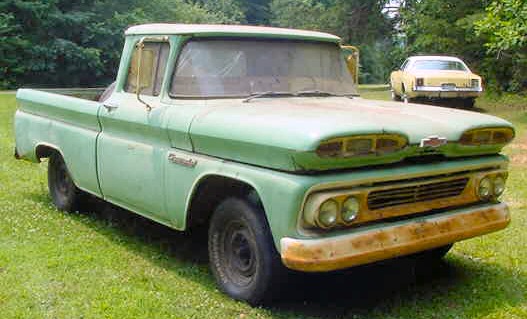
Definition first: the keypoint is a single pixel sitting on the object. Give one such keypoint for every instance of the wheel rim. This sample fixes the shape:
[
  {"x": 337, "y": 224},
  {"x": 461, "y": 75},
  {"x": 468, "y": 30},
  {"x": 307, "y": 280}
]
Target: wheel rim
[{"x": 240, "y": 254}]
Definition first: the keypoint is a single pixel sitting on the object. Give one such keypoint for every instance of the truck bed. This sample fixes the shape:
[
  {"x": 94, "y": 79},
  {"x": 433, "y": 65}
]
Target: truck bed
[{"x": 66, "y": 123}]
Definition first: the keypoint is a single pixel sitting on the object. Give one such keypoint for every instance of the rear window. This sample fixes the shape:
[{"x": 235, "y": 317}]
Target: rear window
[{"x": 438, "y": 65}]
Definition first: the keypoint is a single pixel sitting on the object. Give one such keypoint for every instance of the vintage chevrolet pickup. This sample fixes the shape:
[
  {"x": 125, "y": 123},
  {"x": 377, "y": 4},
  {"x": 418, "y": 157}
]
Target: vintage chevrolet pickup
[{"x": 259, "y": 135}]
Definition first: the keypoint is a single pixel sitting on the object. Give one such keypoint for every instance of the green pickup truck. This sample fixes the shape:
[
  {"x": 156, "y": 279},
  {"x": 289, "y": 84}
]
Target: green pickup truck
[{"x": 259, "y": 135}]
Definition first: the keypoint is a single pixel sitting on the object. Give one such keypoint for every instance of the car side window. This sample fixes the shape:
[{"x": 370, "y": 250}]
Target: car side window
[
  {"x": 153, "y": 65},
  {"x": 403, "y": 66}
]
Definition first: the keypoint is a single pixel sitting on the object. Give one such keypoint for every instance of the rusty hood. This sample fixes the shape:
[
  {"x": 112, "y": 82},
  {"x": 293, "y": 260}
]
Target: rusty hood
[{"x": 283, "y": 133}]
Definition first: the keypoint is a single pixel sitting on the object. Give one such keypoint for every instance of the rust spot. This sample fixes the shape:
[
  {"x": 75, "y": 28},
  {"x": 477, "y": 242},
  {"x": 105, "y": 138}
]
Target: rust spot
[{"x": 370, "y": 246}]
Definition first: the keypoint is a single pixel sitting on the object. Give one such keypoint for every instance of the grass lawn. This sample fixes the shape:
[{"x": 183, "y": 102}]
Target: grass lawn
[{"x": 107, "y": 263}]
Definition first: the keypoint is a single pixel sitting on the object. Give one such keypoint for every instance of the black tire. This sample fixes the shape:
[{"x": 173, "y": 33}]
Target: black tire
[
  {"x": 469, "y": 102},
  {"x": 64, "y": 194},
  {"x": 433, "y": 255},
  {"x": 242, "y": 255}
]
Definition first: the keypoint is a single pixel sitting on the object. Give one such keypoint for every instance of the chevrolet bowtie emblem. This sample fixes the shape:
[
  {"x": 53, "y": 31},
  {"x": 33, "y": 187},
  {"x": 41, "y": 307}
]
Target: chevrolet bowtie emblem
[{"x": 433, "y": 141}]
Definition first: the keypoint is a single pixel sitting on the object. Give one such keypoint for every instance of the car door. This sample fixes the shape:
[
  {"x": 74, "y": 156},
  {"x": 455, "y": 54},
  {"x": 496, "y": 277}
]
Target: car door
[{"x": 132, "y": 146}]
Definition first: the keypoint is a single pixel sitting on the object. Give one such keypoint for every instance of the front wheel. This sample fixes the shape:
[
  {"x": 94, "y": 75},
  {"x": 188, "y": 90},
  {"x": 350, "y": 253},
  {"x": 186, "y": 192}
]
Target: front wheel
[
  {"x": 242, "y": 255},
  {"x": 64, "y": 194}
]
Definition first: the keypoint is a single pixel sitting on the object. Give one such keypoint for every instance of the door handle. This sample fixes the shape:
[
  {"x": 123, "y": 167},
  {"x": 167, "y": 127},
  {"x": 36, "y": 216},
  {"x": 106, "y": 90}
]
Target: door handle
[{"x": 110, "y": 107}]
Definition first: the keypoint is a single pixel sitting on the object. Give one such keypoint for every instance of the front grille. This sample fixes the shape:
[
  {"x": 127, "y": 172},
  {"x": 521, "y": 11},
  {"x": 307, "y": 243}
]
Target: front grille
[{"x": 416, "y": 193}]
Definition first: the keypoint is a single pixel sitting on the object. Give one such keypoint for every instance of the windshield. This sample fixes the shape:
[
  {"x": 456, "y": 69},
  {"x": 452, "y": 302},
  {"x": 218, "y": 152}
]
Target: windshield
[
  {"x": 242, "y": 67},
  {"x": 438, "y": 65}
]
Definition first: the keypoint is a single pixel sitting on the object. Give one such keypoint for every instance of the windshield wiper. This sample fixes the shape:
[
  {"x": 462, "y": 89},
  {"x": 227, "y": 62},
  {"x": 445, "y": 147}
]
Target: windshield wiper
[
  {"x": 266, "y": 94},
  {"x": 323, "y": 93}
]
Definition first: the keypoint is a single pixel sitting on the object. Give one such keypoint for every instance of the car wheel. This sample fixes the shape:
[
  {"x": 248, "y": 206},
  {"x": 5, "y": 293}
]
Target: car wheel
[
  {"x": 469, "y": 102},
  {"x": 395, "y": 97},
  {"x": 433, "y": 255},
  {"x": 242, "y": 255},
  {"x": 64, "y": 194}
]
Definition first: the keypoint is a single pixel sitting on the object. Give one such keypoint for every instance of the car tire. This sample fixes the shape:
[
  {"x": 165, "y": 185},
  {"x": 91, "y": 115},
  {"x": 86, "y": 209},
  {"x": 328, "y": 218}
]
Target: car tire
[
  {"x": 433, "y": 255},
  {"x": 242, "y": 255},
  {"x": 64, "y": 194},
  {"x": 469, "y": 102},
  {"x": 394, "y": 96}
]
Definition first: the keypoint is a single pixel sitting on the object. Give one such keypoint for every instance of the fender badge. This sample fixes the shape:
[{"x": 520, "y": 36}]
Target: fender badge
[
  {"x": 188, "y": 162},
  {"x": 433, "y": 141}
]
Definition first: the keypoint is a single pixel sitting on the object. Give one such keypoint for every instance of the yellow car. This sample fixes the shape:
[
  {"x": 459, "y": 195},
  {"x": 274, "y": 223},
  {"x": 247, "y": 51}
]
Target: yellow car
[{"x": 433, "y": 77}]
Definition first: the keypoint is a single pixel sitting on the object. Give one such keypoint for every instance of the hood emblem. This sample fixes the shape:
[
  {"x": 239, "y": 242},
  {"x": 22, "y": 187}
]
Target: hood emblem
[{"x": 433, "y": 141}]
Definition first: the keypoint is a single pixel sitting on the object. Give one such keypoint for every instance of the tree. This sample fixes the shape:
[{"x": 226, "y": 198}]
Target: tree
[
  {"x": 361, "y": 23},
  {"x": 76, "y": 42},
  {"x": 505, "y": 28}
]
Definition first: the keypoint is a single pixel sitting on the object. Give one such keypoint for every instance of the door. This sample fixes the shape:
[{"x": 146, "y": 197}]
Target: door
[{"x": 133, "y": 142}]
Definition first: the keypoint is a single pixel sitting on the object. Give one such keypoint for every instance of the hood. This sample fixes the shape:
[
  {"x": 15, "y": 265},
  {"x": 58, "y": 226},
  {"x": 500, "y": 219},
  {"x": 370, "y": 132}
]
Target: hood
[{"x": 283, "y": 133}]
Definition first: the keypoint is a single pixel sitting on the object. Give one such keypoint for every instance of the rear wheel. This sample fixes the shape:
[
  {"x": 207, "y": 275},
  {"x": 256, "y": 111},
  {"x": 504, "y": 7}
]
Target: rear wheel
[
  {"x": 469, "y": 102},
  {"x": 394, "y": 96},
  {"x": 242, "y": 255},
  {"x": 64, "y": 194}
]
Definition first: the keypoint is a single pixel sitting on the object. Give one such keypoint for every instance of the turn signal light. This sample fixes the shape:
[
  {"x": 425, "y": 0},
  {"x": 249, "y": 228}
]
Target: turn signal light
[
  {"x": 487, "y": 136},
  {"x": 363, "y": 145}
]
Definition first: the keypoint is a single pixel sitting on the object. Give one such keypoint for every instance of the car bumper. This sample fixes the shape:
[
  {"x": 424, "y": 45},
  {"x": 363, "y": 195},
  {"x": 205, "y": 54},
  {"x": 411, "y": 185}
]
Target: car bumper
[
  {"x": 393, "y": 240},
  {"x": 440, "y": 92}
]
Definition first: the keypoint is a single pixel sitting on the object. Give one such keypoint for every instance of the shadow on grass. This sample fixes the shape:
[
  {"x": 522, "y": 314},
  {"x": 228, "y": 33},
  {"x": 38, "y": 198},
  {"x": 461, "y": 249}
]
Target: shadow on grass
[{"x": 459, "y": 285}]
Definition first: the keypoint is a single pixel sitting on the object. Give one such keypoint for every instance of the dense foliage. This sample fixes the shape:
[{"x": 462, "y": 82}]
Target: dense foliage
[
  {"x": 490, "y": 36},
  {"x": 78, "y": 42}
]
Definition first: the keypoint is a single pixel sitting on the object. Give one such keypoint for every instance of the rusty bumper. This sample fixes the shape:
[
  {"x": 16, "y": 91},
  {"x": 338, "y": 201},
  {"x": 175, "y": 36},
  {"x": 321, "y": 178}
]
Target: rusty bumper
[{"x": 392, "y": 240}]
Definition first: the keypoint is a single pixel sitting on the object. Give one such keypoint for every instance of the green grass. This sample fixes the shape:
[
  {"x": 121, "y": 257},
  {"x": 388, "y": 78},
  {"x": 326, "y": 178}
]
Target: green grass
[{"x": 106, "y": 263}]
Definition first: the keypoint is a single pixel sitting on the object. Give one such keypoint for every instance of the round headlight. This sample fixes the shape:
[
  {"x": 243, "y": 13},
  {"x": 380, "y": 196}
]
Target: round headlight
[
  {"x": 350, "y": 209},
  {"x": 327, "y": 214},
  {"x": 499, "y": 185},
  {"x": 485, "y": 188}
]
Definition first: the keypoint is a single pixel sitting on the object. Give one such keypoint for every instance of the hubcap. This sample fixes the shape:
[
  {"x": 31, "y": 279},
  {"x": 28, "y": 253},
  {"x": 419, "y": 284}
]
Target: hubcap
[{"x": 239, "y": 253}]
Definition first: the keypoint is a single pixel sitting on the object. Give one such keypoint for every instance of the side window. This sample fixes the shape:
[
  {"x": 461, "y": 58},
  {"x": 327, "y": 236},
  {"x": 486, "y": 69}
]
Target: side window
[
  {"x": 404, "y": 65},
  {"x": 153, "y": 65}
]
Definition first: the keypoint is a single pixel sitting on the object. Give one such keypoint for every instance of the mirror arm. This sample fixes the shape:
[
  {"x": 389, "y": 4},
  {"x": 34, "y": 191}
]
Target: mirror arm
[{"x": 140, "y": 46}]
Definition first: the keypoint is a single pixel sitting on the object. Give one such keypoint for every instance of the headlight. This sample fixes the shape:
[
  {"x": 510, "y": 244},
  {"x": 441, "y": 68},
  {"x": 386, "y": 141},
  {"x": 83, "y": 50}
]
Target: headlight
[
  {"x": 364, "y": 145},
  {"x": 327, "y": 214},
  {"x": 485, "y": 188},
  {"x": 487, "y": 136},
  {"x": 474, "y": 83},
  {"x": 350, "y": 209},
  {"x": 499, "y": 185}
]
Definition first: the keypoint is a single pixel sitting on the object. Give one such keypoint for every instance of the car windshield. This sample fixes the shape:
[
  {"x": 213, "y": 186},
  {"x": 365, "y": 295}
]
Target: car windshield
[
  {"x": 438, "y": 65},
  {"x": 244, "y": 67}
]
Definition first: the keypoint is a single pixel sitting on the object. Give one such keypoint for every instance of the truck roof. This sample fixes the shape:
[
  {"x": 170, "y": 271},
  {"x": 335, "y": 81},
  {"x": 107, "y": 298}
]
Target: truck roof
[{"x": 229, "y": 30}]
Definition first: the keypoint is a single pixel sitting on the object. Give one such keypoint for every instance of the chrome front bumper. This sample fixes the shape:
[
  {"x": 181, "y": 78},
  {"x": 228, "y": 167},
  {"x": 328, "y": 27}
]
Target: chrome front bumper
[{"x": 385, "y": 241}]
